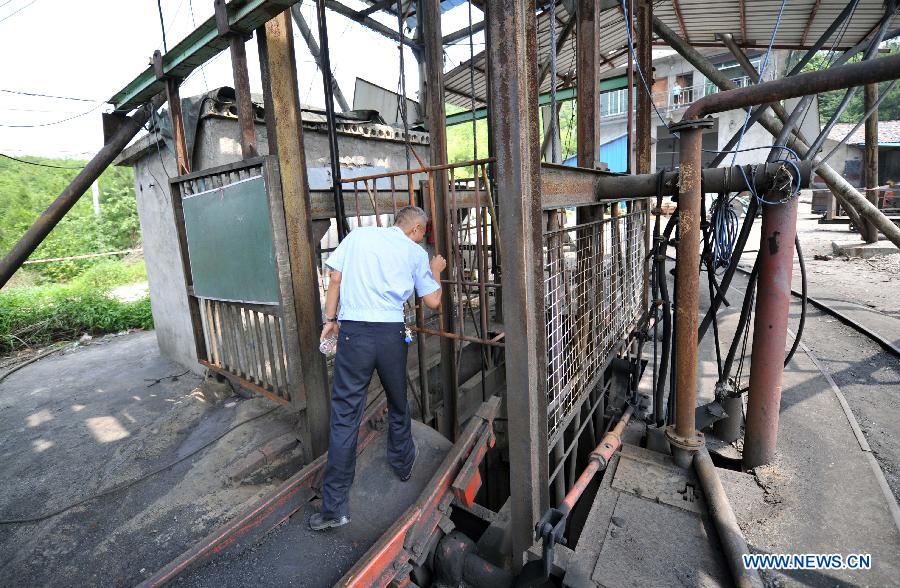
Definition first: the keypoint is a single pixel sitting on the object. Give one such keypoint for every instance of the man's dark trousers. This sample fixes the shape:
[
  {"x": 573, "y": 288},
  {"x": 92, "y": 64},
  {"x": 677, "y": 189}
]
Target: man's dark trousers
[{"x": 363, "y": 348}]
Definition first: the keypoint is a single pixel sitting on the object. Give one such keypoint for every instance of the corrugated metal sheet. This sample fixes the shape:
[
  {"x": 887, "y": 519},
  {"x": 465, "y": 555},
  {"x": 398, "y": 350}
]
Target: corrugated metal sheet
[
  {"x": 802, "y": 23},
  {"x": 613, "y": 153}
]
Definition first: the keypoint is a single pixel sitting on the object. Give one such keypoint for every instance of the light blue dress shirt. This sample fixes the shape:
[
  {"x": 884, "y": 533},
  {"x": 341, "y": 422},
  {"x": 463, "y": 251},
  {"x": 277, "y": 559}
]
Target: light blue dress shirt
[{"x": 379, "y": 268}]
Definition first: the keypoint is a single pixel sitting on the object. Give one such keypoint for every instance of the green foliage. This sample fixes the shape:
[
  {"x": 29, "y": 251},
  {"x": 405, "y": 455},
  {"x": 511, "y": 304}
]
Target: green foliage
[
  {"x": 27, "y": 190},
  {"x": 39, "y": 315},
  {"x": 460, "y": 144},
  {"x": 829, "y": 101}
]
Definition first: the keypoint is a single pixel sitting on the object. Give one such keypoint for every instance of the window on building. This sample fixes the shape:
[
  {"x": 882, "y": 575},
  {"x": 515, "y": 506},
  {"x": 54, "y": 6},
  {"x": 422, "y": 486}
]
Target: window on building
[
  {"x": 614, "y": 102},
  {"x": 735, "y": 73}
]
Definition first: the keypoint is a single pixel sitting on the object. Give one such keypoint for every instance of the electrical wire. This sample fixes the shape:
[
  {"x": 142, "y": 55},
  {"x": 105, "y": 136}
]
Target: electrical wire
[
  {"x": 162, "y": 26},
  {"x": 35, "y": 94},
  {"x": 762, "y": 73},
  {"x": 130, "y": 483},
  {"x": 56, "y": 122},
  {"x": 39, "y": 164},
  {"x": 12, "y": 14}
]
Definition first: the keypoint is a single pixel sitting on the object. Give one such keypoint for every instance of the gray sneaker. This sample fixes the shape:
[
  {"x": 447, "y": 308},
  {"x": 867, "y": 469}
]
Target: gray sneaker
[
  {"x": 408, "y": 475},
  {"x": 318, "y": 522}
]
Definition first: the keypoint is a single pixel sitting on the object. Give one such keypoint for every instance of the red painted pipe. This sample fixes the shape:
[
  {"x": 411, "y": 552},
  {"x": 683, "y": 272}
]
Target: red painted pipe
[
  {"x": 773, "y": 297},
  {"x": 599, "y": 457}
]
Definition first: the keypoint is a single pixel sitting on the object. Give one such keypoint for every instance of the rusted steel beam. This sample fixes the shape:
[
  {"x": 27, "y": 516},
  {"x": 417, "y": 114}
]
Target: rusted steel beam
[
  {"x": 742, "y": 6},
  {"x": 54, "y": 213},
  {"x": 429, "y": 15},
  {"x": 182, "y": 159},
  {"x": 677, "y": 7},
  {"x": 282, "y": 87},
  {"x": 246, "y": 113},
  {"x": 512, "y": 54},
  {"x": 644, "y": 50},
  {"x": 871, "y": 156},
  {"x": 776, "y": 258},
  {"x": 565, "y": 186},
  {"x": 809, "y": 21},
  {"x": 588, "y": 88}
]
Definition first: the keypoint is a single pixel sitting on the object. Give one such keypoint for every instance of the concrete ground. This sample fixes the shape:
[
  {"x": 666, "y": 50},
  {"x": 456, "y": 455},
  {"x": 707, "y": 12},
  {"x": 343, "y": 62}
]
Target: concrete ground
[{"x": 90, "y": 419}]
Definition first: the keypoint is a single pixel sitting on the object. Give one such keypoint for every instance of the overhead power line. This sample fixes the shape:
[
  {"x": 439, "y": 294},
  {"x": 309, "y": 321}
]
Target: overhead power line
[
  {"x": 12, "y": 14},
  {"x": 36, "y": 94},
  {"x": 56, "y": 122},
  {"x": 39, "y": 164}
]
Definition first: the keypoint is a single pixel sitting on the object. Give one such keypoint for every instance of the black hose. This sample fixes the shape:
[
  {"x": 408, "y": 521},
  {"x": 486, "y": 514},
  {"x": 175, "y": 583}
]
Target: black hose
[
  {"x": 742, "y": 323},
  {"x": 803, "y": 302},
  {"x": 659, "y": 264},
  {"x": 732, "y": 267}
]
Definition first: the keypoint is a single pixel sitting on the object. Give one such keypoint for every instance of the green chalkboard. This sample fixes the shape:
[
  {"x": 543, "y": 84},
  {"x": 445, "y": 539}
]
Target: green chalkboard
[{"x": 229, "y": 235}]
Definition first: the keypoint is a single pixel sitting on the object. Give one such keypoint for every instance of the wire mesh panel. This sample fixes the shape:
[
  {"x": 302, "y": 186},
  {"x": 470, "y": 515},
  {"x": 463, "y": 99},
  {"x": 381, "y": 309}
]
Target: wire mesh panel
[{"x": 593, "y": 297}]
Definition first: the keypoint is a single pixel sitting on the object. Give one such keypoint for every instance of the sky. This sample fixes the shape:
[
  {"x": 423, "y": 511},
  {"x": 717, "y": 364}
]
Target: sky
[{"x": 84, "y": 52}]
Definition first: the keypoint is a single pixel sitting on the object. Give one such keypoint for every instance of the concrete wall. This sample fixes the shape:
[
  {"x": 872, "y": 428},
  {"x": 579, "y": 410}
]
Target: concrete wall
[{"x": 217, "y": 144}]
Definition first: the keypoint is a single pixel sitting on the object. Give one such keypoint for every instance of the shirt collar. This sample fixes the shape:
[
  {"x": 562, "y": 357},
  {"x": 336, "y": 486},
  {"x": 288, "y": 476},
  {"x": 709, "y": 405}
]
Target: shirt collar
[{"x": 398, "y": 229}]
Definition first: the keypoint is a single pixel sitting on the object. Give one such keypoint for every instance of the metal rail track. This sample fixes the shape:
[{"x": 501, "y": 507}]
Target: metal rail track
[{"x": 849, "y": 321}]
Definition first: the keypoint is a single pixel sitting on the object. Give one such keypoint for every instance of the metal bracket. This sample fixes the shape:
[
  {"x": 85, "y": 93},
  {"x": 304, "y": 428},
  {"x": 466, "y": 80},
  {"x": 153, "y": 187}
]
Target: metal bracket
[
  {"x": 550, "y": 530},
  {"x": 223, "y": 25}
]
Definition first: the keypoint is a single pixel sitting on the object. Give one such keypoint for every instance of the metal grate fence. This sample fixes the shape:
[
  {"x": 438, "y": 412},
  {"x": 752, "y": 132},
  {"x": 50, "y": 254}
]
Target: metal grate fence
[{"x": 593, "y": 296}]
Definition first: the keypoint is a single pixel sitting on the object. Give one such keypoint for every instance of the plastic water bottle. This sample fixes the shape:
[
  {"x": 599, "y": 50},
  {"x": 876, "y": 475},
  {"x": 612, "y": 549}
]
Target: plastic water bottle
[{"x": 328, "y": 346}]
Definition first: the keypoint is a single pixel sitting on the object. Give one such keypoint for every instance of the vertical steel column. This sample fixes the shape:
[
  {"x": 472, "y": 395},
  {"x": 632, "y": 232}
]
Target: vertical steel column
[
  {"x": 241, "y": 81},
  {"x": 630, "y": 71},
  {"x": 512, "y": 55},
  {"x": 773, "y": 296},
  {"x": 684, "y": 438},
  {"x": 643, "y": 38},
  {"x": 280, "y": 82},
  {"x": 871, "y": 98},
  {"x": 430, "y": 20},
  {"x": 588, "y": 108},
  {"x": 644, "y": 50},
  {"x": 173, "y": 96}
]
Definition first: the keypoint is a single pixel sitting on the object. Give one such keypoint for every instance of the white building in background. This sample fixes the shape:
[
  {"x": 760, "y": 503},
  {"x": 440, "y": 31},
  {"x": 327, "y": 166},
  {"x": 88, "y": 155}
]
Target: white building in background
[{"x": 677, "y": 85}]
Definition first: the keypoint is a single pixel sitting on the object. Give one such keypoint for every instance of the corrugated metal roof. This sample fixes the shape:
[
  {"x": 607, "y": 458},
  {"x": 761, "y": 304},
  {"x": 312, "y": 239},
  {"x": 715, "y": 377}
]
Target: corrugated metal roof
[
  {"x": 750, "y": 21},
  {"x": 888, "y": 133}
]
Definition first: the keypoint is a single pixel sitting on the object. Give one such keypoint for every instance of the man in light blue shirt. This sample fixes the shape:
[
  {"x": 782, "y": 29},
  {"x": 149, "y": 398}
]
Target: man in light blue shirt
[{"x": 373, "y": 272}]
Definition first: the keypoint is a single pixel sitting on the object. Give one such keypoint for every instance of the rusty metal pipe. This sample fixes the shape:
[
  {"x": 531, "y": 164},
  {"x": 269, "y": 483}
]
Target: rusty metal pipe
[
  {"x": 730, "y": 535},
  {"x": 816, "y": 82},
  {"x": 684, "y": 437},
  {"x": 45, "y": 223},
  {"x": 776, "y": 259},
  {"x": 599, "y": 458}
]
